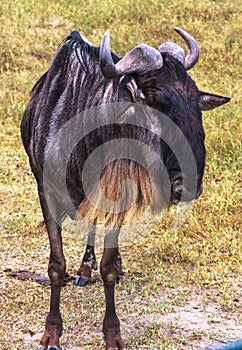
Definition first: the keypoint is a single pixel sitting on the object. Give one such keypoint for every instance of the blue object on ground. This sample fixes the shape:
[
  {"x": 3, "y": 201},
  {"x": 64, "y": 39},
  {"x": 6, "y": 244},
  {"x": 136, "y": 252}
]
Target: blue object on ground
[
  {"x": 235, "y": 345},
  {"x": 82, "y": 281}
]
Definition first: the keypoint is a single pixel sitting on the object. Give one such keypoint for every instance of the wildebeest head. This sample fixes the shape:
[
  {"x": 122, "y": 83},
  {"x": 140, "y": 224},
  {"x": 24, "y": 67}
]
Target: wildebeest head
[{"x": 164, "y": 84}]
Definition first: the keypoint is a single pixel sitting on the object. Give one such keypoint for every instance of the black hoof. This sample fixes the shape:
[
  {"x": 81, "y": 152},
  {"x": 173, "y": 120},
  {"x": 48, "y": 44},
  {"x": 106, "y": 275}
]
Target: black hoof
[
  {"x": 120, "y": 279},
  {"x": 81, "y": 281},
  {"x": 94, "y": 267}
]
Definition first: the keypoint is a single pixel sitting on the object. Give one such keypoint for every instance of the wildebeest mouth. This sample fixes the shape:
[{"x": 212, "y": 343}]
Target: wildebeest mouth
[{"x": 180, "y": 194}]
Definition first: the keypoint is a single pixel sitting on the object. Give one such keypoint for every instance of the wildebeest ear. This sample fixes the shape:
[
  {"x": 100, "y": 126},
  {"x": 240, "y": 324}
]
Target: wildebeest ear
[{"x": 209, "y": 101}]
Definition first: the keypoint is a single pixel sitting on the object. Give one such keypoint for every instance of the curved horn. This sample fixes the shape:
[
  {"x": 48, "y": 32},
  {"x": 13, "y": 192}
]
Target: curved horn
[
  {"x": 193, "y": 48},
  {"x": 106, "y": 62},
  {"x": 140, "y": 60}
]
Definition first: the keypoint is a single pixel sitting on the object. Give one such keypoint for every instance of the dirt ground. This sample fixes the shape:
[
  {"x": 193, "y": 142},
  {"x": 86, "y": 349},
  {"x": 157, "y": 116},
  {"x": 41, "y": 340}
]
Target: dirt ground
[{"x": 202, "y": 325}]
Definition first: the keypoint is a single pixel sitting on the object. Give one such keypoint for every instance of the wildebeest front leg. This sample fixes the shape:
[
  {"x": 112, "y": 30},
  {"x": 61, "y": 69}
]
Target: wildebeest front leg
[
  {"x": 110, "y": 270},
  {"x": 56, "y": 271}
]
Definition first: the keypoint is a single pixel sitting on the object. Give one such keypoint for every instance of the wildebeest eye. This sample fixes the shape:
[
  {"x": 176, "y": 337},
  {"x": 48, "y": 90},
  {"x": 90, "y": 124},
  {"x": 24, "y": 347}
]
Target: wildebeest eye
[{"x": 158, "y": 99}]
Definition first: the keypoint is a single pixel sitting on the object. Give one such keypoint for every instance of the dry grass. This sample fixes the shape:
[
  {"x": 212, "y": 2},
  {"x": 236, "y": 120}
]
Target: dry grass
[{"x": 166, "y": 268}]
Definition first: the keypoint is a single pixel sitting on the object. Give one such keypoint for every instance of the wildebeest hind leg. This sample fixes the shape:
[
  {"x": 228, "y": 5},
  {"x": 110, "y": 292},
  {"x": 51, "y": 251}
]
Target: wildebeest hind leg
[{"x": 89, "y": 262}]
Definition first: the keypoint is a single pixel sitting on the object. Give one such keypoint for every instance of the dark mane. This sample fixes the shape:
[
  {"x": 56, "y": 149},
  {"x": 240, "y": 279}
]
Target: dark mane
[
  {"x": 81, "y": 48},
  {"x": 84, "y": 52}
]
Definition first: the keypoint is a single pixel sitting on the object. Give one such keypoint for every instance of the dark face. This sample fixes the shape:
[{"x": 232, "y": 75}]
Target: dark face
[
  {"x": 161, "y": 76},
  {"x": 172, "y": 91}
]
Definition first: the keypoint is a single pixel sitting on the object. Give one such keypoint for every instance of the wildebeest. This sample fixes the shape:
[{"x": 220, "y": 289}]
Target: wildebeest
[{"x": 83, "y": 76}]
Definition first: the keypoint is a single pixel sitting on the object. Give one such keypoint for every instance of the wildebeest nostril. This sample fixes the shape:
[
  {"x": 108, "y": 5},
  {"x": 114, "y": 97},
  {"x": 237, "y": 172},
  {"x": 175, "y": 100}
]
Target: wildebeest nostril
[
  {"x": 181, "y": 193},
  {"x": 176, "y": 190}
]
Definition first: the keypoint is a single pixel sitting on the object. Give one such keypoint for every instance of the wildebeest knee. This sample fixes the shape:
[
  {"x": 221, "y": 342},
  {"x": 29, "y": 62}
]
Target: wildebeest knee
[
  {"x": 57, "y": 272},
  {"x": 109, "y": 273}
]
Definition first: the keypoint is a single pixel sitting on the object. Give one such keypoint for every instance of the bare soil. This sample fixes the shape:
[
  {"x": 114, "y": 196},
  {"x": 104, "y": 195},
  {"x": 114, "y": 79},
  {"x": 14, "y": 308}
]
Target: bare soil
[{"x": 202, "y": 325}]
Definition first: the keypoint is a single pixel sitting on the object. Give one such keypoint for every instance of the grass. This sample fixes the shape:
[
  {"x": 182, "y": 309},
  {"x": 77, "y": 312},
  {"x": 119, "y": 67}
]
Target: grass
[{"x": 165, "y": 268}]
